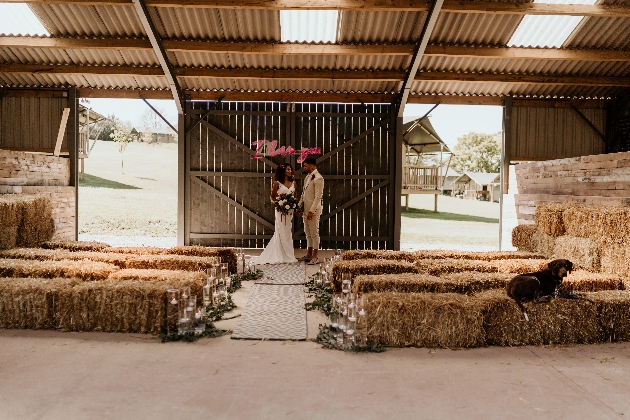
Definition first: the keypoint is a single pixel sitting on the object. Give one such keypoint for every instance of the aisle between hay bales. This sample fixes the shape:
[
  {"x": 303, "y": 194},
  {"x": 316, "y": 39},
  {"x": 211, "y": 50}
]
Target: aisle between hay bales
[{"x": 275, "y": 309}]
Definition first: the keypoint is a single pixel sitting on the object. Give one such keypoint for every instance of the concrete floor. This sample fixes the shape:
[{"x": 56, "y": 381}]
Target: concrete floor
[{"x": 55, "y": 375}]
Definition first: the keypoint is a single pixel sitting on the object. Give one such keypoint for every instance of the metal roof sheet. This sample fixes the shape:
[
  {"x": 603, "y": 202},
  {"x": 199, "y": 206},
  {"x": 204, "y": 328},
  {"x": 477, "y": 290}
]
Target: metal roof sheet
[
  {"x": 380, "y": 26},
  {"x": 474, "y": 28},
  {"x": 601, "y": 33},
  {"x": 78, "y": 56}
]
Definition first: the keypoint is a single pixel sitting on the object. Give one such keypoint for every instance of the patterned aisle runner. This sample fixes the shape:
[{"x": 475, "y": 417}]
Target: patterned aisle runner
[
  {"x": 282, "y": 274},
  {"x": 275, "y": 310}
]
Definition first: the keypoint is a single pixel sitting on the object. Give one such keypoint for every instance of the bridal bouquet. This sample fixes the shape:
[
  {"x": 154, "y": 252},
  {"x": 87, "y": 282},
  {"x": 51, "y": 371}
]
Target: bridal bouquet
[{"x": 285, "y": 203}]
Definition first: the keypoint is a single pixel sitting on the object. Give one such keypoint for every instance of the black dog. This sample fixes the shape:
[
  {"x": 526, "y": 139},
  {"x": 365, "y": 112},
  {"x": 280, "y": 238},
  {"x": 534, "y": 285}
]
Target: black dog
[{"x": 540, "y": 286}]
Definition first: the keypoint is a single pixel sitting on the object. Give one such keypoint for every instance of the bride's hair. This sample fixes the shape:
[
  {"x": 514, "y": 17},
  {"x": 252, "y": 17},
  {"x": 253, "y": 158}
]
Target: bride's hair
[{"x": 279, "y": 175}]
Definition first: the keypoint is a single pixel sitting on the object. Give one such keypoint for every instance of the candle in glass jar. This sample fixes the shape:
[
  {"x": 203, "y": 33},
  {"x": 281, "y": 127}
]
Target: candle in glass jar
[
  {"x": 362, "y": 312},
  {"x": 174, "y": 301}
]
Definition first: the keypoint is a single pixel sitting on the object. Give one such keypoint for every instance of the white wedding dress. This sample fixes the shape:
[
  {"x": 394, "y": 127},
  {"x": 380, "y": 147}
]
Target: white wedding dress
[{"x": 280, "y": 249}]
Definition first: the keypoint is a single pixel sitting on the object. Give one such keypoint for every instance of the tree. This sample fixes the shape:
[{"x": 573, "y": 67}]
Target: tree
[
  {"x": 151, "y": 120},
  {"x": 122, "y": 136},
  {"x": 108, "y": 128},
  {"x": 477, "y": 152}
]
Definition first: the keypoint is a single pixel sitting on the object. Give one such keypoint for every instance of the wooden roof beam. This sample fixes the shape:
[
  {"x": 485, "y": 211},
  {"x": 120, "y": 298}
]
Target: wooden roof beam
[
  {"x": 363, "y": 75},
  {"x": 418, "y": 52},
  {"x": 454, "y": 6},
  {"x": 333, "y": 97},
  {"x": 158, "y": 48},
  {"x": 315, "y": 49}
]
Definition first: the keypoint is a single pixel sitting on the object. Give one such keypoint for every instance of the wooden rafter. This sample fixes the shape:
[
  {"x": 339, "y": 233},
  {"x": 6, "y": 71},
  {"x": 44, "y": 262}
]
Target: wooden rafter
[
  {"x": 156, "y": 42},
  {"x": 367, "y": 75},
  {"x": 454, "y": 6},
  {"x": 316, "y": 49},
  {"x": 418, "y": 53}
]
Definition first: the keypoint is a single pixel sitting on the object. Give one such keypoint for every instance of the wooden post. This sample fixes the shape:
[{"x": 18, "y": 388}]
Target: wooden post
[
  {"x": 505, "y": 161},
  {"x": 435, "y": 203},
  {"x": 397, "y": 170},
  {"x": 181, "y": 174},
  {"x": 73, "y": 149}
]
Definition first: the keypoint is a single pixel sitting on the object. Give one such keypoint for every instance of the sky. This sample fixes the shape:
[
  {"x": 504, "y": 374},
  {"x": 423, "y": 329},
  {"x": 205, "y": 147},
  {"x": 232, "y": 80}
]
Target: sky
[{"x": 449, "y": 121}]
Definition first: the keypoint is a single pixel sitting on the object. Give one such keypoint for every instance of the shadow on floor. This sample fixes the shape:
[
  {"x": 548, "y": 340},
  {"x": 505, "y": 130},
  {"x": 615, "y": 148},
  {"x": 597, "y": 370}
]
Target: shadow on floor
[
  {"x": 98, "y": 182},
  {"x": 429, "y": 214}
]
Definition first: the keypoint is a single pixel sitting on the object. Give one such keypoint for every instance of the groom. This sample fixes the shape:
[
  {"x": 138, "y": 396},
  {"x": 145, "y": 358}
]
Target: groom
[{"x": 312, "y": 201}]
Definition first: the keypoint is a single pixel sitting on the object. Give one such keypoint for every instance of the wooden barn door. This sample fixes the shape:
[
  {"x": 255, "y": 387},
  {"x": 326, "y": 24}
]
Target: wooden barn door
[{"x": 227, "y": 189}]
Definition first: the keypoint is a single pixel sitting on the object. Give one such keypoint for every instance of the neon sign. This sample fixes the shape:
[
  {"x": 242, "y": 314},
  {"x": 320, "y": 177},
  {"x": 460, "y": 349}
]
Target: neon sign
[{"x": 269, "y": 148}]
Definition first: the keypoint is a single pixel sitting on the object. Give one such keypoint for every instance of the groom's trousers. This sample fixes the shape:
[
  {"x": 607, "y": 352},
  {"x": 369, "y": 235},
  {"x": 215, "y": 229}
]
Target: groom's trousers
[{"x": 311, "y": 228}]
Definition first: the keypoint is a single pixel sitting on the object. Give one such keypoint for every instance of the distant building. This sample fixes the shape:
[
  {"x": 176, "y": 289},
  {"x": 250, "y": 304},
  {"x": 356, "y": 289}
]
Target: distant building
[
  {"x": 157, "y": 135},
  {"x": 478, "y": 185}
]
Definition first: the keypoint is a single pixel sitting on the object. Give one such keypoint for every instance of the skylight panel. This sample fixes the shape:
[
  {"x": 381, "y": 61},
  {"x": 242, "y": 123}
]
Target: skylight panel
[
  {"x": 309, "y": 25},
  {"x": 546, "y": 31},
  {"x": 18, "y": 19}
]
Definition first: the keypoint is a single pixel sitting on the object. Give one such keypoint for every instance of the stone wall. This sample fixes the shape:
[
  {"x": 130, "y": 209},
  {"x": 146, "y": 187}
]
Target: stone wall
[{"x": 36, "y": 173}]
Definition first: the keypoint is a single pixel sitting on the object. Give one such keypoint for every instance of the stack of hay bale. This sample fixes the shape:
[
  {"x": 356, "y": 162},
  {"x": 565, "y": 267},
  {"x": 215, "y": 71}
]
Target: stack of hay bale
[
  {"x": 457, "y": 299},
  {"x": 79, "y": 286},
  {"x": 593, "y": 237},
  {"x": 25, "y": 220}
]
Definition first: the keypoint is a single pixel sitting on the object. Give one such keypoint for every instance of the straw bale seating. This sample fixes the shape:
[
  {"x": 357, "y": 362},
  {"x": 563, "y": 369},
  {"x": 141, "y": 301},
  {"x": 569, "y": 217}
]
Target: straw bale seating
[
  {"x": 451, "y": 320},
  {"x": 122, "y": 260}
]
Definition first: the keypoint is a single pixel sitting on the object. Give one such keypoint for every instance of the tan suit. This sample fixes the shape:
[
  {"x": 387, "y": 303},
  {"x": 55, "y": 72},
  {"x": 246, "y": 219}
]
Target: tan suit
[{"x": 312, "y": 199}]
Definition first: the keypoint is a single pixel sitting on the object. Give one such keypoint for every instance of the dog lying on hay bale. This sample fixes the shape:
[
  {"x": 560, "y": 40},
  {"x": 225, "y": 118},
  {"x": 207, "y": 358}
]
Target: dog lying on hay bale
[{"x": 542, "y": 285}]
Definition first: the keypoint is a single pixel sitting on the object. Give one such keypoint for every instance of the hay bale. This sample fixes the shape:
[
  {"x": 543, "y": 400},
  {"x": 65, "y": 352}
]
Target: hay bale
[
  {"x": 441, "y": 267},
  {"x": 31, "y": 302},
  {"x": 543, "y": 244},
  {"x": 25, "y": 220},
  {"x": 37, "y": 224},
  {"x": 561, "y": 321},
  {"x": 84, "y": 270},
  {"x": 520, "y": 266},
  {"x": 613, "y": 311},
  {"x": 196, "y": 280},
  {"x": 129, "y": 260},
  {"x": 378, "y": 266},
  {"x": 548, "y": 218},
  {"x": 168, "y": 262},
  {"x": 469, "y": 255},
  {"x": 582, "y": 252},
  {"x": 378, "y": 254},
  {"x": 444, "y": 320},
  {"x": 10, "y": 216},
  {"x": 615, "y": 259},
  {"x": 605, "y": 224},
  {"x": 75, "y": 245},
  {"x": 227, "y": 255},
  {"x": 585, "y": 281},
  {"x": 464, "y": 283},
  {"x": 522, "y": 237}
]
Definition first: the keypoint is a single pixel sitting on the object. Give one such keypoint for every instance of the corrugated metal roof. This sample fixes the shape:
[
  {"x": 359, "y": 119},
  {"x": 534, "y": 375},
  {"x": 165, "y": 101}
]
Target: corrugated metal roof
[
  {"x": 221, "y": 24},
  {"x": 474, "y": 28},
  {"x": 71, "y": 20},
  {"x": 381, "y": 26},
  {"x": 355, "y": 27}
]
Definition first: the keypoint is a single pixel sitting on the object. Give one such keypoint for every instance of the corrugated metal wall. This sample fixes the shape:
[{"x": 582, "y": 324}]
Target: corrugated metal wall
[
  {"x": 555, "y": 133},
  {"x": 31, "y": 123}
]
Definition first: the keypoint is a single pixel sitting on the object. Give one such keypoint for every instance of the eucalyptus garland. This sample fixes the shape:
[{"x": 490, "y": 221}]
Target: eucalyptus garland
[
  {"x": 236, "y": 280},
  {"x": 215, "y": 313},
  {"x": 190, "y": 337},
  {"x": 323, "y": 295},
  {"x": 327, "y": 339}
]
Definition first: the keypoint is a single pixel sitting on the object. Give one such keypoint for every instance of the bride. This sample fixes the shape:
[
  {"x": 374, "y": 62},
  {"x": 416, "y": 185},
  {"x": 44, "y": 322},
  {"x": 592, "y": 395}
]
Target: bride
[{"x": 280, "y": 248}]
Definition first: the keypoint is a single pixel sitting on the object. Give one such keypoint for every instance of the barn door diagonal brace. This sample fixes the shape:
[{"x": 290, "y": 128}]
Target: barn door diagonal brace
[
  {"x": 589, "y": 123},
  {"x": 212, "y": 108},
  {"x": 242, "y": 208},
  {"x": 350, "y": 203},
  {"x": 349, "y": 142},
  {"x": 236, "y": 142},
  {"x": 418, "y": 52},
  {"x": 156, "y": 42}
]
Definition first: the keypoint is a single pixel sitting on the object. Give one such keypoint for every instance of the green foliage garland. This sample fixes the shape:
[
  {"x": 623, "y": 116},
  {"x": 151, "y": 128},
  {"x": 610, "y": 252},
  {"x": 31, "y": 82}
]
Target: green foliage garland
[
  {"x": 327, "y": 339},
  {"x": 190, "y": 337},
  {"x": 323, "y": 296}
]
